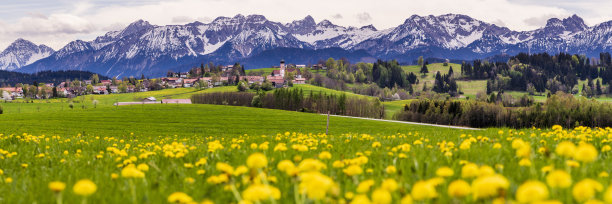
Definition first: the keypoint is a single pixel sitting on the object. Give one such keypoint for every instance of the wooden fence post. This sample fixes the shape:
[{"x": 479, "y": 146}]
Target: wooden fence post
[{"x": 327, "y": 129}]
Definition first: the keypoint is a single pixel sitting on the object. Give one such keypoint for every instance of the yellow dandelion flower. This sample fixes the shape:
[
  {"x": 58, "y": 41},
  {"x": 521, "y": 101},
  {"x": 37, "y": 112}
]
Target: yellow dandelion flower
[
  {"x": 586, "y": 190},
  {"x": 559, "y": 179},
  {"x": 532, "y": 191},
  {"x": 257, "y": 160},
  {"x": 459, "y": 189},
  {"x": 353, "y": 170},
  {"x": 390, "y": 169},
  {"x": 585, "y": 153},
  {"x": 445, "y": 172},
  {"x": 57, "y": 186},
  {"x": 381, "y": 196},
  {"x": 423, "y": 190},
  {"x": 84, "y": 187},
  {"x": 179, "y": 197}
]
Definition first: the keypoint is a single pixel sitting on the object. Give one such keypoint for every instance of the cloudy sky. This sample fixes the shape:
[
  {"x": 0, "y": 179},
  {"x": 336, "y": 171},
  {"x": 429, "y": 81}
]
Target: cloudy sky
[{"x": 57, "y": 22}]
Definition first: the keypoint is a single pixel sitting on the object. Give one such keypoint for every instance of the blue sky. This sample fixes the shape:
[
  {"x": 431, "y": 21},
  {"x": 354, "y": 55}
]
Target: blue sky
[{"x": 57, "y": 22}]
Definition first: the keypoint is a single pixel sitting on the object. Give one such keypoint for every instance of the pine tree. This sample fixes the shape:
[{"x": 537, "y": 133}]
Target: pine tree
[
  {"x": 598, "y": 85},
  {"x": 424, "y": 69}
]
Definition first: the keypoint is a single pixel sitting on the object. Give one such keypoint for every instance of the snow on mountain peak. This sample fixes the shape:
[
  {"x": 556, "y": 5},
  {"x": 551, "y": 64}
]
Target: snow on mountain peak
[{"x": 21, "y": 53}]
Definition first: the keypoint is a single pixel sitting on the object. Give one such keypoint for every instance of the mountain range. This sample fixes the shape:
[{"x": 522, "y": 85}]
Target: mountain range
[{"x": 142, "y": 48}]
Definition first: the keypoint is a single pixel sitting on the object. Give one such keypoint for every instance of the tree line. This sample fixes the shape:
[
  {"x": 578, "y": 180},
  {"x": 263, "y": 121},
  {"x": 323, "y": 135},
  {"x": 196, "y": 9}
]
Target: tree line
[
  {"x": 296, "y": 100},
  {"x": 559, "y": 109}
]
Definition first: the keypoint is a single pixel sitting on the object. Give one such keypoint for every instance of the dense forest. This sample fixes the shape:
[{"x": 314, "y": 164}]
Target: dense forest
[
  {"x": 559, "y": 109},
  {"x": 539, "y": 73},
  {"x": 9, "y": 78}
]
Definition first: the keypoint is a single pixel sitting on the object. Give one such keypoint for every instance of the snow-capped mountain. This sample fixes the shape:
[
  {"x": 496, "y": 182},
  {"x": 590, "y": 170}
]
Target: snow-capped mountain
[
  {"x": 142, "y": 48},
  {"x": 21, "y": 53}
]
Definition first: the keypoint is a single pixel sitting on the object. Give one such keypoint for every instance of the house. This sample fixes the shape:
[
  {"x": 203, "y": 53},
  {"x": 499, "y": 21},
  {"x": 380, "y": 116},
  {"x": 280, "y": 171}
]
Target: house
[
  {"x": 100, "y": 90},
  {"x": 176, "y": 101},
  {"x": 189, "y": 82},
  {"x": 227, "y": 68},
  {"x": 299, "y": 81},
  {"x": 114, "y": 89},
  {"x": 253, "y": 79},
  {"x": 16, "y": 92},
  {"x": 88, "y": 82},
  {"x": 149, "y": 99},
  {"x": 106, "y": 82},
  {"x": 63, "y": 91},
  {"x": 184, "y": 74},
  {"x": 173, "y": 82},
  {"x": 300, "y": 66},
  {"x": 319, "y": 67}
]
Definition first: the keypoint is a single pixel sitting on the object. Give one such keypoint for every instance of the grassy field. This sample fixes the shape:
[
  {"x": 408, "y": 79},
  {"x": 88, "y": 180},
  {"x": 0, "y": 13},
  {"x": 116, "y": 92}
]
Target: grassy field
[
  {"x": 392, "y": 107},
  {"x": 223, "y": 154},
  {"x": 430, "y": 77},
  {"x": 266, "y": 71},
  {"x": 471, "y": 88}
]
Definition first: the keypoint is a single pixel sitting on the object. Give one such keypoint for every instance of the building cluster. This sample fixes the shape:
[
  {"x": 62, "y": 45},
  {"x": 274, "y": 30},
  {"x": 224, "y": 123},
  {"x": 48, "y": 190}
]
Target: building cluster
[{"x": 281, "y": 77}]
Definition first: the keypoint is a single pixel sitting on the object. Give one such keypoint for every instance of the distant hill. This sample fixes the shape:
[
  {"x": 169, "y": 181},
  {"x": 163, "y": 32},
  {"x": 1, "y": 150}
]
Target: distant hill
[{"x": 10, "y": 78}]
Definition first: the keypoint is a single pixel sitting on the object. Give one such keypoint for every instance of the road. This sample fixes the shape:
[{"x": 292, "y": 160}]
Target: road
[{"x": 410, "y": 123}]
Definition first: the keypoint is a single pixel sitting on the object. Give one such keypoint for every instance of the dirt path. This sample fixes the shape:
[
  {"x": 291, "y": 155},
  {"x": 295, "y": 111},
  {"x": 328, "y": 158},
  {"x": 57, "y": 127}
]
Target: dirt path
[{"x": 410, "y": 123}]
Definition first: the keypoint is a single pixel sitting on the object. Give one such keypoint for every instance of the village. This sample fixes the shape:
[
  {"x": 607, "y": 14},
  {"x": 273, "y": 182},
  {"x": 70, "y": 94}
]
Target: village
[{"x": 199, "y": 77}]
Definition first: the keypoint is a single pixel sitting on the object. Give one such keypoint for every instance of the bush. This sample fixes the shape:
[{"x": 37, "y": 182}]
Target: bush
[
  {"x": 242, "y": 86},
  {"x": 267, "y": 86}
]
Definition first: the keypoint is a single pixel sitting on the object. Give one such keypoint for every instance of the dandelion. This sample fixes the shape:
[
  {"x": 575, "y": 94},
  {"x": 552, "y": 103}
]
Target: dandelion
[
  {"x": 423, "y": 190},
  {"x": 586, "y": 153},
  {"x": 84, "y": 187},
  {"x": 390, "y": 170},
  {"x": 365, "y": 186},
  {"x": 257, "y": 161},
  {"x": 201, "y": 162},
  {"x": 143, "y": 167},
  {"x": 566, "y": 149},
  {"x": 406, "y": 200},
  {"x": 132, "y": 172},
  {"x": 489, "y": 186},
  {"x": 525, "y": 162},
  {"x": 260, "y": 192},
  {"x": 224, "y": 167},
  {"x": 469, "y": 170},
  {"x": 459, "y": 189},
  {"x": 389, "y": 185},
  {"x": 586, "y": 190},
  {"x": 179, "y": 197},
  {"x": 381, "y": 196},
  {"x": 353, "y": 170},
  {"x": 57, "y": 186},
  {"x": 559, "y": 179},
  {"x": 445, "y": 172},
  {"x": 532, "y": 191},
  {"x": 325, "y": 155}
]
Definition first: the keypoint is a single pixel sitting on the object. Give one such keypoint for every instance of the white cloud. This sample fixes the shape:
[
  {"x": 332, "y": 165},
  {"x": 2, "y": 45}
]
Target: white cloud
[
  {"x": 364, "y": 17},
  {"x": 85, "y": 19}
]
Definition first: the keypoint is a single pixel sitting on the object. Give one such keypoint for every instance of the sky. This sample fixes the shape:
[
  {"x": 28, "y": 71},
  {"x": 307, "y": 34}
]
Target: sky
[{"x": 58, "y": 22}]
